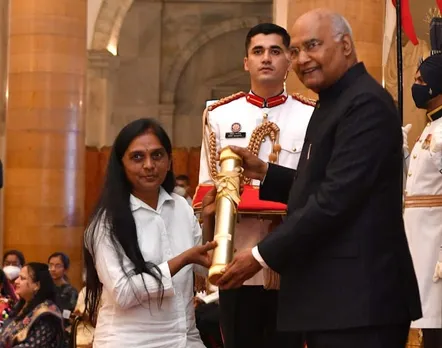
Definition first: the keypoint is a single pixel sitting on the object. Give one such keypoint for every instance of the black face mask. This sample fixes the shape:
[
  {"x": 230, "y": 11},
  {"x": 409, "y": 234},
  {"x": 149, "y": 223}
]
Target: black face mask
[{"x": 422, "y": 94}]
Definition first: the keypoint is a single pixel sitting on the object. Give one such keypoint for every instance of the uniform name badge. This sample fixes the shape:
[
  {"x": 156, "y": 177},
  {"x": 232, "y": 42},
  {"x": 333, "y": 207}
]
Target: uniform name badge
[{"x": 236, "y": 132}]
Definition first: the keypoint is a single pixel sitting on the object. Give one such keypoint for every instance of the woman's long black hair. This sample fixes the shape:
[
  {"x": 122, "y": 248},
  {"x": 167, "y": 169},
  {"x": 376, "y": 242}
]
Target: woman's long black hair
[{"x": 114, "y": 211}]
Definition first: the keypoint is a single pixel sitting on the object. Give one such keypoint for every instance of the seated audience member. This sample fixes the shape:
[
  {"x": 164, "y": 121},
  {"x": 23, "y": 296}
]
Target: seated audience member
[
  {"x": 66, "y": 294},
  {"x": 84, "y": 334},
  {"x": 8, "y": 298},
  {"x": 35, "y": 321},
  {"x": 182, "y": 187},
  {"x": 13, "y": 261}
]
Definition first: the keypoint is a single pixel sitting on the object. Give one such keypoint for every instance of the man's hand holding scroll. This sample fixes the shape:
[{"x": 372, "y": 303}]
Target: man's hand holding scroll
[
  {"x": 243, "y": 267},
  {"x": 253, "y": 167}
]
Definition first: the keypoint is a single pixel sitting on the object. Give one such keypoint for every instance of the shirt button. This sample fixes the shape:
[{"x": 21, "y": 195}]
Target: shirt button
[
  {"x": 409, "y": 174},
  {"x": 265, "y": 115},
  {"x": 414, "y": 156},
  {"x": 428, "y": 124},
  {"x": 294, "y": 149}
]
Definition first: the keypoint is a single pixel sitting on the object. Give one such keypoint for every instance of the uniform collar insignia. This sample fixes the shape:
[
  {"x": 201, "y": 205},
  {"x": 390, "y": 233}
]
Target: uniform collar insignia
[
  {"x": 435, "y": 114},
  {"x": 269, "y": 103}
]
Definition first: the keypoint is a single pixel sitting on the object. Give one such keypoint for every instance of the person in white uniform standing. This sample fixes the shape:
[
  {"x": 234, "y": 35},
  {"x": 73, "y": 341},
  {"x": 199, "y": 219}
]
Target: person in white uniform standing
[
  {"x": 423, "y": 195},
  {"x": 248, "y": 314}
]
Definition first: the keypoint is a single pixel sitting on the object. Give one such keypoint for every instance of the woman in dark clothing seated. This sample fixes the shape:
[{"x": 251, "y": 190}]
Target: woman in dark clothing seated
[
  {"x": 67, "y": 295},
  {"x": 8, "y": 298},
  {"x": 35, "y": 322}
]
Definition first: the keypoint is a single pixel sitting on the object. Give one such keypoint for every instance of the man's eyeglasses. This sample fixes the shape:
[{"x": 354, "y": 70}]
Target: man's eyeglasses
[
  {"x": 311, "y": 46},
  {"x": 307, "y": 47}
]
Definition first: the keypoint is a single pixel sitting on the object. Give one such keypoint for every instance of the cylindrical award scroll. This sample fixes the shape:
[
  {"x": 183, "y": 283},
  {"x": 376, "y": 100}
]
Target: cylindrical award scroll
[{"x": 227, "y": 200}]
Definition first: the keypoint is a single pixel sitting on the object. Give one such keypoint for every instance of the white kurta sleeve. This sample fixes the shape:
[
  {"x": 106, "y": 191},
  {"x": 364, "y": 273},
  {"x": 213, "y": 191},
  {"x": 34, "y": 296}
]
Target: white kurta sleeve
[
  {"x": 197, "y": 240},
  {"x": 128, "y": 289}
]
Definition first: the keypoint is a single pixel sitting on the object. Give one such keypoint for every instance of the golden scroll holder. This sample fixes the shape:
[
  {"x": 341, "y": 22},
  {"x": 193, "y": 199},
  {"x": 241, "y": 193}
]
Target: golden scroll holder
[{"x": 227, "y": 200}]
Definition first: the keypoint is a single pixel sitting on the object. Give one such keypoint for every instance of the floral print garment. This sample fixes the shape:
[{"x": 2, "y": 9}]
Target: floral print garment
[
  {"x": 43, "y": 334},
  {"x": 40, "y": 328}
]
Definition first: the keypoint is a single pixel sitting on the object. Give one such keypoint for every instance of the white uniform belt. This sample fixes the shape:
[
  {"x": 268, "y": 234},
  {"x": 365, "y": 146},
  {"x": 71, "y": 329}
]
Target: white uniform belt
[{"x": 423, "y": 201}]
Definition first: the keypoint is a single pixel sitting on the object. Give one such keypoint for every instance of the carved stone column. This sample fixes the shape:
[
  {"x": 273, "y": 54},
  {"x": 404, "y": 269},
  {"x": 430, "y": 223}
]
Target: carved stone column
[
  {"x": 44, "y": 166},
  {"x": 166, "y": 118},
  {"x": 100, "y": 86}
]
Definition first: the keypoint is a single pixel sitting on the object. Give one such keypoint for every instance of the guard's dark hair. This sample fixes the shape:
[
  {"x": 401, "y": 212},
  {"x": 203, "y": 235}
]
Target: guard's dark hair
[
  {"x": 113, "y": 210},
  {"x": 267, "y": 29}
]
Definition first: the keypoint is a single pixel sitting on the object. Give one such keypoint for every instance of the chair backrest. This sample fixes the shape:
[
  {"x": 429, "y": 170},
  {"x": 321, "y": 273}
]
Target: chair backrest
[{"x": 74, "y": 327}]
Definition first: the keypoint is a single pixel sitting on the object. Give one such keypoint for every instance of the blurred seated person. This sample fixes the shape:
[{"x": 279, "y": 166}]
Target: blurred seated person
[
  {"x": 182, "y": 187},
  {"x": 8, "y": 298},
  {"x": 13, "y": 261},
  {"x": 67, "y": 295},
  {"x": 84, "y": 334},
  {"x": 36, "y": 321}
]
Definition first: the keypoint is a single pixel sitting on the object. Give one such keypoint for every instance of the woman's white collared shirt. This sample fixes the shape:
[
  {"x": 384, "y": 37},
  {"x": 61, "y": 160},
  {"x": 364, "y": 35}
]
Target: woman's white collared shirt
[{"x": 124, "y": 322}]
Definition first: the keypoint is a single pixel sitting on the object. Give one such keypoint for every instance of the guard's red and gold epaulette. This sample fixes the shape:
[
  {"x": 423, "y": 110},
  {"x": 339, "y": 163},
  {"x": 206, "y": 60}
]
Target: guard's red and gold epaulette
[
  {"x": 304, "y": 100},
  {"x": 226, "y": 100}
]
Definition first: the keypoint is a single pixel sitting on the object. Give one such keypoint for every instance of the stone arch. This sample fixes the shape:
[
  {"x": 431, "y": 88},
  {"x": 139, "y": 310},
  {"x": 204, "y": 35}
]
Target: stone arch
[
  {"x": 108, "y": 24},
  {"x": 168, "y": 93}
]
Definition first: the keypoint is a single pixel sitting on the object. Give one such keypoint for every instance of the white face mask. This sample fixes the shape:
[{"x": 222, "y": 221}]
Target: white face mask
[
  {"x": 180, "y": 191},
  {"x": 11, "y": 272}
]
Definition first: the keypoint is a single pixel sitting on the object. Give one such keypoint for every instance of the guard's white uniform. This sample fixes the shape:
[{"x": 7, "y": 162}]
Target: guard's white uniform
[
  {"x": 424, "y": 224},
  {"x": 291, "y": 115}
]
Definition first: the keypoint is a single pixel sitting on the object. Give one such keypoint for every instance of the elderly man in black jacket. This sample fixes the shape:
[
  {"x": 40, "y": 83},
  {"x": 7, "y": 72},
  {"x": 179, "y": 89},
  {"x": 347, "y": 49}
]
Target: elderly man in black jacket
[{"x": 347, "y": 279}]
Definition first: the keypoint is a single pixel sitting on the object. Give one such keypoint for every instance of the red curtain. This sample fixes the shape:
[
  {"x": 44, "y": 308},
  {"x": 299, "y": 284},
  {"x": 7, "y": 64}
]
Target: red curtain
[{"x": 407, "y": 20}]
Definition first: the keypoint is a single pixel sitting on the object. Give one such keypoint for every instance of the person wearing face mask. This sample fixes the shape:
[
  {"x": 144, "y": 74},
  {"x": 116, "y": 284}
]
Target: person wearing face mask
[
  {"x": 423, "y": 194},
  {"x": 182, "y": 187},
  {"x": 13, "y": 261}
]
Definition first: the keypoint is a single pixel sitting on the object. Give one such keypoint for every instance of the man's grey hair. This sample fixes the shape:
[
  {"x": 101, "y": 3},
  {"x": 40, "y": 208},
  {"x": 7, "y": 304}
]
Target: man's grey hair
[{"x": 340, "y": 26}]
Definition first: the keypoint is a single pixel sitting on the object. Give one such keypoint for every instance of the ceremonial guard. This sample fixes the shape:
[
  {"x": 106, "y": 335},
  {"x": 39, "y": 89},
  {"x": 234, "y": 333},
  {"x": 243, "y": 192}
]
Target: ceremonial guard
[
  {"x": 272, "y": 124},
  {"x": 423, "y": 193}
]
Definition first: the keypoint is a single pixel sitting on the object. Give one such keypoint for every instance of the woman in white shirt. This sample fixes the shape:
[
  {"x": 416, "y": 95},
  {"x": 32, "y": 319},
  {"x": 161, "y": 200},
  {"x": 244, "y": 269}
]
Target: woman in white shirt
[{"x": 140, "y": 247}]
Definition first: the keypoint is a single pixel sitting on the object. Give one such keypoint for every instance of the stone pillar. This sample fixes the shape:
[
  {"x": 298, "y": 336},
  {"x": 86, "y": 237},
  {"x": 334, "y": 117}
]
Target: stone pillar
[
  {"x": 100, "y": 86},
  {"x": 4, "y": 18},
  {"x": 45, "y": 141},
  {"x": 365, "y": 17},
  {"x": 166, "y": 118}
]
